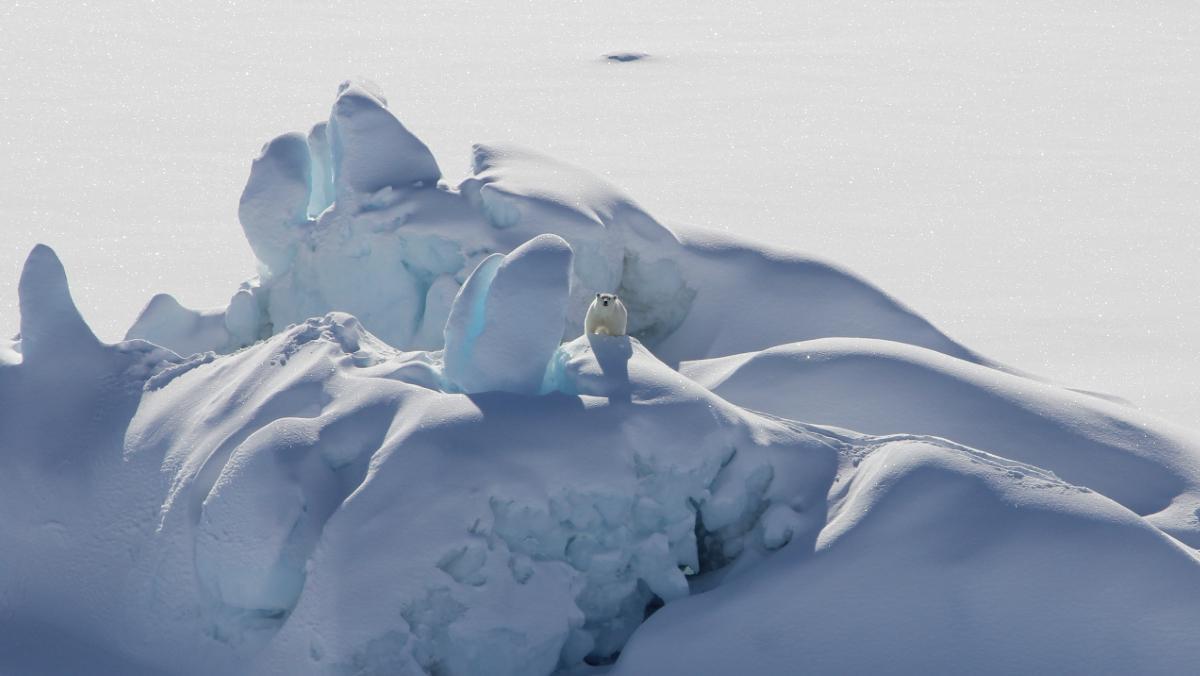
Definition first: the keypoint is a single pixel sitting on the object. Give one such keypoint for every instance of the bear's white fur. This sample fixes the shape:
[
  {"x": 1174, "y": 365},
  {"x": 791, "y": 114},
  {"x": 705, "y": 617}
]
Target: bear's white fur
[{"x": 606, "y": 316}]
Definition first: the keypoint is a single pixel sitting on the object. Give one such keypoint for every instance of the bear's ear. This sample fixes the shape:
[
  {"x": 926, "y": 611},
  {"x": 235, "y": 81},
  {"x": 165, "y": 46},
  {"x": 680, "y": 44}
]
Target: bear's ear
[{"x": 597, "y": 295}]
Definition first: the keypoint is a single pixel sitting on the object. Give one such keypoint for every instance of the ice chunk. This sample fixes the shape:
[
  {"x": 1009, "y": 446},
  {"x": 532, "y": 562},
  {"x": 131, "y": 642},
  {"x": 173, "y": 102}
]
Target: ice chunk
[
  {"x": 275, "y": 201},
  {"x": 508, "y": 319},
  {"x": 185, "y": 331},
  {"x": 168, "y": 323},
  {"x": 51, "y": 326},
  {"x": 371, "y": 149}
]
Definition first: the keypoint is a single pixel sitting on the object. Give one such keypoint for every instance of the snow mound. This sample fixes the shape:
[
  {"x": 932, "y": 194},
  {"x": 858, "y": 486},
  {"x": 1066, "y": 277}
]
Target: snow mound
[
  {"x": 1148, "y": 465},
  {"x": 507, "y": 319},
  {"x": 166, "y": 322},
  {"x": 940, "y": 560}
]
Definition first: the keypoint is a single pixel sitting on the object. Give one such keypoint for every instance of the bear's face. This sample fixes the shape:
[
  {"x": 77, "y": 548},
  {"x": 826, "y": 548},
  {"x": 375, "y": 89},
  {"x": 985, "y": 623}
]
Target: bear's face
[{"x": 606, "y": 315}]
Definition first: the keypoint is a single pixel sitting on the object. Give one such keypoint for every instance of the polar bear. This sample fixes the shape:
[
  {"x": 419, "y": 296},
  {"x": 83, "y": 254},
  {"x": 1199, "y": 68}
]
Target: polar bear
[{"x": 606, "y": 316}]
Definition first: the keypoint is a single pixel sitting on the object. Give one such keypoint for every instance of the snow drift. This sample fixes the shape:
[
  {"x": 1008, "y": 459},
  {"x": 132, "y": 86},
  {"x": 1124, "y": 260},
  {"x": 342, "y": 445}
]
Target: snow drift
[{"x": 382, "y": 457}]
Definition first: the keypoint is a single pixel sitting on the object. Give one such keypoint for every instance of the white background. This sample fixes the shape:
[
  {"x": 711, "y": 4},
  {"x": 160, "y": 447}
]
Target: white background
[{"x": 1025, "y": 174}]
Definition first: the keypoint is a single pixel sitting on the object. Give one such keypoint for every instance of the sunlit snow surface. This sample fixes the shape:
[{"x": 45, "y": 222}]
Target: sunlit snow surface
[{"x": 392, "y": 452}]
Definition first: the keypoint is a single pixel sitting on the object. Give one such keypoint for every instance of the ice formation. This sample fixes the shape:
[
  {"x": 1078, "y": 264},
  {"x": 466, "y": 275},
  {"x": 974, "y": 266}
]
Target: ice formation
[
  {"x": 392, "y": 452},
  {"x": 395, "y": 245},
  {"x": 507, "y": 319}
]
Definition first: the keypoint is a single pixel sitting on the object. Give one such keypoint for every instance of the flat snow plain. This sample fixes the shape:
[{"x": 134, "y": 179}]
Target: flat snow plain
[{"x": 1025, "y": 174}]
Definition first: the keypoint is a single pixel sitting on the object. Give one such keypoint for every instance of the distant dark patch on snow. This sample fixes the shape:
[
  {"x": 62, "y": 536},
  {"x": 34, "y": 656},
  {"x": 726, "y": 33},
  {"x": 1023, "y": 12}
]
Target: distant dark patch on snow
[{"x": 623, "y": 57}]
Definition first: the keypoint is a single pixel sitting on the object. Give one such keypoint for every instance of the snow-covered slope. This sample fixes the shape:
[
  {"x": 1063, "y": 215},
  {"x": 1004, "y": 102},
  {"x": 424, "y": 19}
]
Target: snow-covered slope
[{"x": 381, "y": 457}]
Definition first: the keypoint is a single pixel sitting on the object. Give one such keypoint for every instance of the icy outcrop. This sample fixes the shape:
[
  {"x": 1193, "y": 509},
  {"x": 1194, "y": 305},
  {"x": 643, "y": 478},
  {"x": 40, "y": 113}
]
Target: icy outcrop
[
  {"x": 165, "y": 322},
  {"x": 507, "y": 320},
  {"x": 51, "y": 327},
  {"x": 274, "y": 206},
  {"x": 371, "y": 150}
]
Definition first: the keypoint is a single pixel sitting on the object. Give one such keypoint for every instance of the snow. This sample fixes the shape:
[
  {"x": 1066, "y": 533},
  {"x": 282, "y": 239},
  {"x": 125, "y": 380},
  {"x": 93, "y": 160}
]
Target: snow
[
  {"x": 167, "y": 323},
  {"x": 51, "y": 326},
  {"x": 392, "y": 451}
]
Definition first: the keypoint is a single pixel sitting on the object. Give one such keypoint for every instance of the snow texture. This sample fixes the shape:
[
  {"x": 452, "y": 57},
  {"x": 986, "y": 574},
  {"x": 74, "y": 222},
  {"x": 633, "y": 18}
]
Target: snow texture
[{"x": 381, "y": 457}]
